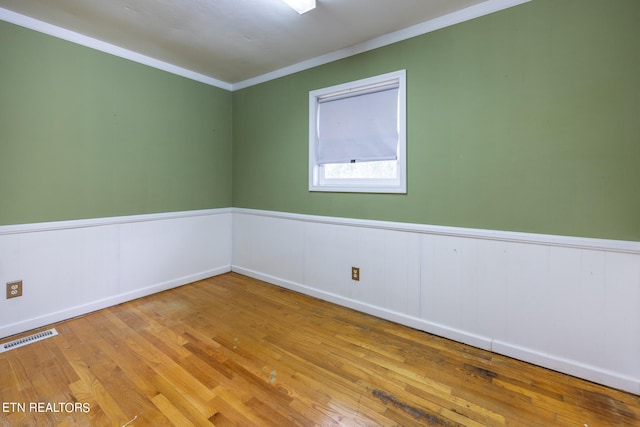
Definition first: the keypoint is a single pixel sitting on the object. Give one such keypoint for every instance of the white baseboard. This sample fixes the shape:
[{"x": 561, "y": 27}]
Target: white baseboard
[
  {"x": 393, "y": 316},
  {"x": 570, "y": 367},
  {"x": 565, "y": 303},
  {"x": 71, "y": 312},
  {"x": 70, "y": 268}
]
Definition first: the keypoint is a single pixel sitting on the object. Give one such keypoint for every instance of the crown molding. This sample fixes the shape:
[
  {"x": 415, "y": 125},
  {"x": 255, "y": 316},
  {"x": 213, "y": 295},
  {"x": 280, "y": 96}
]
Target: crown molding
[
  {"x": 90, "y": 42},
  {"x": 467, "y": 14}
]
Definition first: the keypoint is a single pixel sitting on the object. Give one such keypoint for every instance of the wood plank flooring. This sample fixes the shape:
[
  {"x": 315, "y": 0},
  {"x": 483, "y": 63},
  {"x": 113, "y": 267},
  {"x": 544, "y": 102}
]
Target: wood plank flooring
[{"x": 231, "y": 350}]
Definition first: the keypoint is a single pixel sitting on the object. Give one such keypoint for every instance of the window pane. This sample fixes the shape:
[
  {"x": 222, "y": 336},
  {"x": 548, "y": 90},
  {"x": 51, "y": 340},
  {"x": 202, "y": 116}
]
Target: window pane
[{"x": 387, "y": 169}]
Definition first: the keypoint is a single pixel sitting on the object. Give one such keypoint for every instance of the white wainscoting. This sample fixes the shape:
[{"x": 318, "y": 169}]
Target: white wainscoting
[
  {"x": 565, "y": 303},
  {"x": 70, "y": 268}
]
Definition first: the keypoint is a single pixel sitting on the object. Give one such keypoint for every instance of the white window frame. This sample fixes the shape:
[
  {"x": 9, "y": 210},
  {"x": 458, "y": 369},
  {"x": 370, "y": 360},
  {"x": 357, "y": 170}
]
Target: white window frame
[{"x": 317, "y": 182}]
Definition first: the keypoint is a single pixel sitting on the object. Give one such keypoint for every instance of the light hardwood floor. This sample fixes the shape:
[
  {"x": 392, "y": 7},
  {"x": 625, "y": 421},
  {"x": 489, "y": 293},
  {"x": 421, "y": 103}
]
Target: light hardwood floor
[{"x": 231, "y": 350}]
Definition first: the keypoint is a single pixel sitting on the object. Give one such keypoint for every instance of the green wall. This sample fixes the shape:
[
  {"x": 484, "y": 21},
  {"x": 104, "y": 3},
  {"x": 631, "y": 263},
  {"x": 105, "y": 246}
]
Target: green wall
[
  {"x": 523, "y": 120},
  {"x": 526, "y": 120},
  {"x": 85, "y": 134}
]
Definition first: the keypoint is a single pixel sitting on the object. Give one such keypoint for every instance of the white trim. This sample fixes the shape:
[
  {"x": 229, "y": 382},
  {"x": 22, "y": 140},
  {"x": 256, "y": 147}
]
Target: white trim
[
  {"x": 467, "y": 14},
  {"x": 395, "y": 185},
  {"x": 100, "y": 262},
  {"x": 564, "y": 303},
  {"x": 571, "y": 367},
  {"x": 97, "y": 222},
  {"x": 90, "y": 42},
  {"x": 393, "y": 316},
  {"x": 624, "y": 246},
  {"x": 71, "y": 312}
]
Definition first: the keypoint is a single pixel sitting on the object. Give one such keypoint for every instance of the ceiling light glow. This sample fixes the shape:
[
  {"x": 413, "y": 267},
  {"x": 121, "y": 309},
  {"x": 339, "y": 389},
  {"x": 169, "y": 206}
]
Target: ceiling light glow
[{"x": 301, "y": 6}]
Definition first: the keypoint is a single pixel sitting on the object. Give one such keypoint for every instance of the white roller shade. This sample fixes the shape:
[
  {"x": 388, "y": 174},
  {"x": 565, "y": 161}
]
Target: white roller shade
[{"x": 360, "y": 126}]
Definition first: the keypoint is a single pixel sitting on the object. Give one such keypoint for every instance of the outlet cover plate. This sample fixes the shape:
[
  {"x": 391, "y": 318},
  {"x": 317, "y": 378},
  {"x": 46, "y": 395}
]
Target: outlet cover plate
[{"x": 14, "y": 289}]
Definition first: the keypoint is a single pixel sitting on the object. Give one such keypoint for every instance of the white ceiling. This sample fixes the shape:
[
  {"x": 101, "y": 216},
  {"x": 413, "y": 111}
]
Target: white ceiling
[{"x": 234, "y": 41}]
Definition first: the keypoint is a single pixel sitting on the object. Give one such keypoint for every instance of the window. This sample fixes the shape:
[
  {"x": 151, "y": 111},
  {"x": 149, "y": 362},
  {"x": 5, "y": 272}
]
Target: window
[{"x": 357, "y": 136}]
